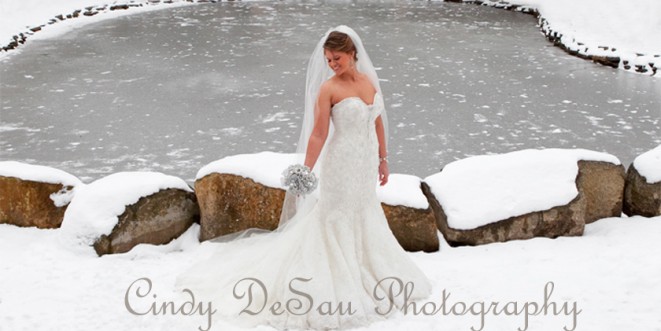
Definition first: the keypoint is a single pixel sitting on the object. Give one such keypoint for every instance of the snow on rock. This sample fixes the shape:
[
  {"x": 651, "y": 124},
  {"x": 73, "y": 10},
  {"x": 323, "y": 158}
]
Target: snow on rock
[
  {"x": 95, "y": 208},
  {"x": 43, "y": 174},
  {"x": 648, "y": 165},
  {"x": 37, "y": 173},
  {"x": 402, "y": 190},
  {"x": 265, "y": 167},
  {"x": 484, "y": 189}
]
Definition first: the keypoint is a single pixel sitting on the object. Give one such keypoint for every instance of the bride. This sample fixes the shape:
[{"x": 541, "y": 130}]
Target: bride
[{"x": 333, "y": 261}]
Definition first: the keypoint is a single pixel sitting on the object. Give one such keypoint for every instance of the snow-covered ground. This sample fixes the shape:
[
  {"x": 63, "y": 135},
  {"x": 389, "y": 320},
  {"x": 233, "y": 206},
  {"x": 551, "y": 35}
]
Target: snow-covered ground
[
  {"x": 613, "y": 28},
  {"x": 605, "y": 280},
  {"x": 611, "y": 274}
]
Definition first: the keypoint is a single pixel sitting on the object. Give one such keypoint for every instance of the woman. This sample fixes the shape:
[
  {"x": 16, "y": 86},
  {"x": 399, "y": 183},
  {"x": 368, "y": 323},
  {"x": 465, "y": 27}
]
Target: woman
[{"x": 333, "y": 260}]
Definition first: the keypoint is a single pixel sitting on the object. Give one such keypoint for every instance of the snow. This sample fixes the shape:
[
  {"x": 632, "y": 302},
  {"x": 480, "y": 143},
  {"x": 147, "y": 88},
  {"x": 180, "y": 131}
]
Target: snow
[
  {"x": 402, "y": 190},
  {"x": 37, "y": 173},
  {"x": 648, "y": 165},
  {"x": 19, "y": 16},
  {"x": 265, "y": 167},
  {"x": 488, "y": 188},
  {"x": 95, "y": 208},
  {"x": 625, "y": 27},
  {"x": 44, "y": 174},
  {"x": 48, "y": 287},
  {"x": 45, "y": 284},
  {"x": 623, "y": 24}
]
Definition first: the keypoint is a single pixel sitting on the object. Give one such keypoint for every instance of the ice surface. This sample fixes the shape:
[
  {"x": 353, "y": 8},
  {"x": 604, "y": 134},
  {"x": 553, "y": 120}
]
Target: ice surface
[{"x": 173, "y": 90}]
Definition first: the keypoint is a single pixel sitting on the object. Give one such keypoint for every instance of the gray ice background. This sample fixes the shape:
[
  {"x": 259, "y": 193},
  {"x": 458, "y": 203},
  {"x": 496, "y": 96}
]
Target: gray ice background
[{"x": 175, "y": 89}]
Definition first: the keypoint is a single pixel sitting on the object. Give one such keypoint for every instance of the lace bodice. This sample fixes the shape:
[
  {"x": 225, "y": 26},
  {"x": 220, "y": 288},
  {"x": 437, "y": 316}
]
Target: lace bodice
[
  {"x": 349, "y": 171},
  {"x": 365, "y": 114}
]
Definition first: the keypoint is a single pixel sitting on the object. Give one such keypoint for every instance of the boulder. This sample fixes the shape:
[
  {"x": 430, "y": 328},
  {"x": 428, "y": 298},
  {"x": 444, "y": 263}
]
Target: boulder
[
  {"x": 154, "y": 219},
  {"x": 415, "y": 229},
  {"x": 640, "y": 197},
  {"x": 516, "y": 184},
  {"x": 117, "y": 212},
  {"x": 558, "y": 221},
  {"x": 32, "y": 195},
  {"x": 230, "y": 203},
  {"x": 601, "y": 184},
  {"x": 244, "y": 191},
  {"x": 409, "y": 215}
]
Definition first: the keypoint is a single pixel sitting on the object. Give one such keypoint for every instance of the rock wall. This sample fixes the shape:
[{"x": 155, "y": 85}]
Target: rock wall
[{"x": 227, "y": 203}]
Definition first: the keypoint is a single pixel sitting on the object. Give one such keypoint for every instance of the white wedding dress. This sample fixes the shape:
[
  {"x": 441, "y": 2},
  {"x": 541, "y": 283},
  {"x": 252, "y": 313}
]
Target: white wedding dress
[{"x": 343, "y": 247}]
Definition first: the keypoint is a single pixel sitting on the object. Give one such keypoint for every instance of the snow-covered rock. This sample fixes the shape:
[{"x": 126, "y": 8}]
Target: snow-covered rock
[
  {"x": 403, "y": 190},
  {"x": 121, "y": 210},
  {"x": 231, "y": 203},
  {"x": 642, "y": 194},
  {"x": 34, "y": 195},
  {"x": 265, "y": 167},
  {"x": 409, "y": 216},
  {"x": 648, "y": 165},
  {"x": 244, "y": 191},
  {"x": 523, "y": 194}
]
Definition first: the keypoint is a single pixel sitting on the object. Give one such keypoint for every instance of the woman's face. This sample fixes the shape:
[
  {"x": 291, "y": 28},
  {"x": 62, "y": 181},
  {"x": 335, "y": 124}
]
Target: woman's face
[{"x": 338, "y": 61}]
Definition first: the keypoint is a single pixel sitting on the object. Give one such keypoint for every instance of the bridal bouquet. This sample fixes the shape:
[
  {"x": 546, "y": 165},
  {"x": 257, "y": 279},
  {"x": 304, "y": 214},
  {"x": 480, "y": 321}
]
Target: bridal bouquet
[{"x": 299, "y": 179}]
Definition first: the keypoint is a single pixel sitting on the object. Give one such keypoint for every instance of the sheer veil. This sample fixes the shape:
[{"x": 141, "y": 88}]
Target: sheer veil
[{"x": 317, "y": 73}]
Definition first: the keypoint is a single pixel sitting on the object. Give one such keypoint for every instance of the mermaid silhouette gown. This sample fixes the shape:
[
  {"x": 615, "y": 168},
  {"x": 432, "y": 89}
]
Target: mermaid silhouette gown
[{"x": 334, "y": 263}]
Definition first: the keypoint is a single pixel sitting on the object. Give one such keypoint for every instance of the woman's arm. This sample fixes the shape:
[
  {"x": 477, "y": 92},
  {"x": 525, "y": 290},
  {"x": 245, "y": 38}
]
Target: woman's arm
[
  {"x": 384, "y": 172},
  {"x": 321, "y": 124}
]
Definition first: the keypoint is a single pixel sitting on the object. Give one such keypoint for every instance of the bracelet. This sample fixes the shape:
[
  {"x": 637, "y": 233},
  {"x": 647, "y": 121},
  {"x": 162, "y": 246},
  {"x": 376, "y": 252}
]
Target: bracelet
[{"x": 381, "y": 159}]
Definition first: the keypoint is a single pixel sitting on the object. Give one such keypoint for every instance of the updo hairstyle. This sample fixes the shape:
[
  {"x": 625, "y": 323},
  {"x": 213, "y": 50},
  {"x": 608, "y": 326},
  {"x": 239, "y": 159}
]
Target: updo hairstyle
[{"x": 339, "y": 41}]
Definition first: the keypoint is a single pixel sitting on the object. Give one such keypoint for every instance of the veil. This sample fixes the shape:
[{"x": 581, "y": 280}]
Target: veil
[{"x": 317, "y": 73}]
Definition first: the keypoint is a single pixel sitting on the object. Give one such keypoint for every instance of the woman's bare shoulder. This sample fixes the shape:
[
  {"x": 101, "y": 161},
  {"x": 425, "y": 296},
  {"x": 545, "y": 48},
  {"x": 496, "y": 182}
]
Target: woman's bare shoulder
[
  {"x": 328, "y": 87},
  {"x": 326, "y": 91}
]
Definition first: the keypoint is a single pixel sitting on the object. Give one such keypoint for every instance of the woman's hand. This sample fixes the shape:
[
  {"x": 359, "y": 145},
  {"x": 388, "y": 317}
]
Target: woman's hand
[{"x": 383, "y": 172}]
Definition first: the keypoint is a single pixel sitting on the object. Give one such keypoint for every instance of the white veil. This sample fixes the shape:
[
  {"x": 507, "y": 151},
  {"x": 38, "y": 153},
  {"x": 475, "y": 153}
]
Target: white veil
[{"x": 318, "y": 72}]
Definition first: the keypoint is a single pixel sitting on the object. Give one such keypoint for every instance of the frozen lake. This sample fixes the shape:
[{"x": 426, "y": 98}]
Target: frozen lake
[{"x": 175, "y": 89}]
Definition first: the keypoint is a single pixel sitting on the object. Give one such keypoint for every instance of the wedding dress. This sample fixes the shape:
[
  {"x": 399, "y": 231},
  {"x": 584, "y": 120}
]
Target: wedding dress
[{"x": 334, "y": 263}]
